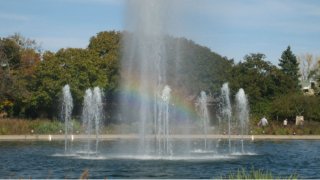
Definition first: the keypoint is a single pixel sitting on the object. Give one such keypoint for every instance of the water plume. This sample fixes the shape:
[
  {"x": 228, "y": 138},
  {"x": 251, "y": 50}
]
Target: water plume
[
  {"x": 91, "y": 118},
  {"x": 66, "y": 112},
  {"x": 204, "y": 115},
  {"x": 242, "y": 114},
  {"x": 227, "y": 109},
  {"x": 144, "y": 66}
]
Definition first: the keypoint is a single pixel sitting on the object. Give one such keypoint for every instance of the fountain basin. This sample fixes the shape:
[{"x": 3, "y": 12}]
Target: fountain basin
[{"x": 38, "y": 159}]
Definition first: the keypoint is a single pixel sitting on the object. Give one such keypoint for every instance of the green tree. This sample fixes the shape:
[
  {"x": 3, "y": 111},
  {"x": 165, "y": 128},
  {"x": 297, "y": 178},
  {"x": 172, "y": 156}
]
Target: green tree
[
  {"x": 293, "y": 104},
  {"x": 192, "y": 68},
  {"x": 290, "y": 66},
  {"x": 18, "y": 59},
  {"x": 261, "y": 80},
  {"x": 10, "y": 53},
  {"x": 79, "y": 68},
  {"x": 107, "y": 45}
]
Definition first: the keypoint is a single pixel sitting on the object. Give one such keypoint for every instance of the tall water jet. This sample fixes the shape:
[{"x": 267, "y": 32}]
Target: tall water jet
[
  {"x": 98, "y": 111},
  {"x": 162, "y": 125},
  {"x": 144, "y": 66},
  {"x": 242, "y": 113},
  {"x": 227, "y": 109},
  {"x": 66, "y": 112},
  {"x": 91, "y": 118},
  {"x": 204, "y": 115}
]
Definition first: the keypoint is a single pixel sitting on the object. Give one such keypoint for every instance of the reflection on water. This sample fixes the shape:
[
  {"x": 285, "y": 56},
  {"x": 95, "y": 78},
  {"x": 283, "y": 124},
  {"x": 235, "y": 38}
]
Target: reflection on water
[{"x": 48, "y": 160}]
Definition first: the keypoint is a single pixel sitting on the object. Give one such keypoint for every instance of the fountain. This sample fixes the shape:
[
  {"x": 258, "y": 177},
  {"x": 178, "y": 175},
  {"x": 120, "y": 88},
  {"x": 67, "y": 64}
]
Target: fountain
[
  {"x": 204, "y": 115},
  {"x": 66, "y": 112},
  {"x": 162, "y": 125},
  {"x": 91, "y": 118},
  {"x": 227, "y": 109},
  {"x": 242, "y": 114},
  {"x": 145, "y": 98},
  {"x": 153, "y": 106},
  {"x": 144, "y": 71}
]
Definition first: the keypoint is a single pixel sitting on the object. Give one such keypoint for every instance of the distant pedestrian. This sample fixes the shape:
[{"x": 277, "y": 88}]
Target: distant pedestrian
[{"x": 263, "y": 122}]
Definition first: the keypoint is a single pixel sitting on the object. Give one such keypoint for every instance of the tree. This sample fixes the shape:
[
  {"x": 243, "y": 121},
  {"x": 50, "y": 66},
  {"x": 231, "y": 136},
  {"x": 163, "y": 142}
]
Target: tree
[
  {"x": 309, "y": 65},
  {"x": 10, "y": 53},
  {"x": 315, "y": 73},
  {"x": 79, "y": 68},
  {"x": 261, "y": 80},
  {"x": 192, "y": 68},
  {"x": 314, "y": 67},
  {"x": 105, "y": 43},
  {"x": 18, "y": 58},
  {"x": 107, "y": 46},
  {"x": 290, "y": 66},
  {"x": 293, "y": 104},
  {"x": 25, "y": 43}
]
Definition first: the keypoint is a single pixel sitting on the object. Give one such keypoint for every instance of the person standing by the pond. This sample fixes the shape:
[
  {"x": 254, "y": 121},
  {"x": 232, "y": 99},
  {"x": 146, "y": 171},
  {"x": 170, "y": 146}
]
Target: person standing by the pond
[{"x": 263, "y": 122}]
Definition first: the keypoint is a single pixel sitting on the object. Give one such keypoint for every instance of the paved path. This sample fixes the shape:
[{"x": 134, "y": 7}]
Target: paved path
[{"x": 135, "y": 136}]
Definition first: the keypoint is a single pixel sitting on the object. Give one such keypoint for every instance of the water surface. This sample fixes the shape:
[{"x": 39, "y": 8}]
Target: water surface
[{"x": 34, "y": 159}]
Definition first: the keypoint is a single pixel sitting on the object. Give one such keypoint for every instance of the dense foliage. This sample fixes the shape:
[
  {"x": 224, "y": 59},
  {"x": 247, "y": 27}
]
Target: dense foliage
[
  {"x": 290, "y": 66},
  {"x": 19, "y": 58},
  {"x": 195, "y": 68},
  {"x": 262, "y": 81},
  {"x": 31, "y": 80},
  {"x": 287, "y": 106}
]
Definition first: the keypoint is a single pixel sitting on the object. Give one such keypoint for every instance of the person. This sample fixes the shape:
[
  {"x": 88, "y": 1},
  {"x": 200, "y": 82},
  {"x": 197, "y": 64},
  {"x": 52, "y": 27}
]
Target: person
[
  {"x": 285, "y": 122},
  {"x": 263, "y": 122}
]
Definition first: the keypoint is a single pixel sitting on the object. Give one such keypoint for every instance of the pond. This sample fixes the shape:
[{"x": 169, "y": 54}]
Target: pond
[{"x": 39, "y": 159}]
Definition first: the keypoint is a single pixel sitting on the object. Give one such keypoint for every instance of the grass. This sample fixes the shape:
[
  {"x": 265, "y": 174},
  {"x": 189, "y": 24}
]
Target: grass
[
  {"x": 277, "y": 128},
  {"x": 39, "y": 126},
  {"x": 255, "y": 174},
  {"x": 45, "y": 126},
  {"x": 85, "y": 174}
]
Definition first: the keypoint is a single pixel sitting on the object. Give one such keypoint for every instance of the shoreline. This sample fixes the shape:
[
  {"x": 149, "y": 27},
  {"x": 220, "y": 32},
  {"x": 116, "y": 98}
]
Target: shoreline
[{"x": 136, "y": 136}]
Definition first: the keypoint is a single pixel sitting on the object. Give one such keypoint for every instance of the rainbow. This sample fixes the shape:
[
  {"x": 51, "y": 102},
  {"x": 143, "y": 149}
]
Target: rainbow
[{"x": 182, "y": 106}]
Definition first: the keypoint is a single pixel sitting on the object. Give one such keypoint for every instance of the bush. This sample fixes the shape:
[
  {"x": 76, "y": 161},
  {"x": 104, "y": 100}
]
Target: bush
[
  {"x": 47, "y": 127},
  {"x": 291, "y": 105},
  {"x": 6, "y": 106},
  {"x": 18, "y": 126},
  {"x": 277, "y": 128}
]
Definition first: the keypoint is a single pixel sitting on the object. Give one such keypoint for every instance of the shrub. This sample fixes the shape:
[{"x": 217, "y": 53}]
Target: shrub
[
  {"x": 291, "y": 105},
  {"x": 48, "y": 127},
  {"x": 18, "y": 126}
]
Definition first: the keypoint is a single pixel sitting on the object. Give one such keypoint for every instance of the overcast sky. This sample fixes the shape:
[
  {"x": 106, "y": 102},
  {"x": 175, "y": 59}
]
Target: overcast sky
[{"x": 232, "y": 28}]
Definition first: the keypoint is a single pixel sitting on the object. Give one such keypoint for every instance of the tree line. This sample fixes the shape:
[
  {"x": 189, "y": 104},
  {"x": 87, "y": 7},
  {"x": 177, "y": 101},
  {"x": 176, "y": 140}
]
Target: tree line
[{"x": 31, "y": 80}]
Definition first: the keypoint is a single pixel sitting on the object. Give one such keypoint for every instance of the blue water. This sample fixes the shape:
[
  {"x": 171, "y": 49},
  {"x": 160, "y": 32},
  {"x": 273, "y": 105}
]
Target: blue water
[{"x": 34, "y": 159}]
